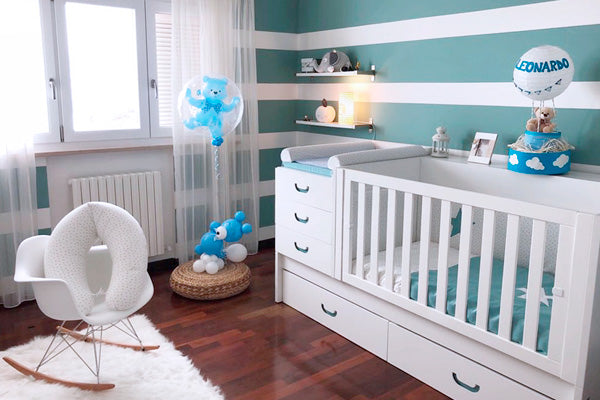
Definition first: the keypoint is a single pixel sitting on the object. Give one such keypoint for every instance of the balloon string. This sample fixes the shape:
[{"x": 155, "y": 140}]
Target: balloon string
[{"x": 217, "y": 182}]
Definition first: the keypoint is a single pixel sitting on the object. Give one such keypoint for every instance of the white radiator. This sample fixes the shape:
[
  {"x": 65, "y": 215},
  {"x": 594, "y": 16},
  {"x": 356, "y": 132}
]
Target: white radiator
[{"x": 139, "y": 193}]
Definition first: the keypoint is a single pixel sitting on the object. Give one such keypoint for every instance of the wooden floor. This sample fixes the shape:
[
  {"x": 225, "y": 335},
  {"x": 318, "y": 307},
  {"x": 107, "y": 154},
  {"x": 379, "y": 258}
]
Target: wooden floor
[{"x": 252, "y": 347}]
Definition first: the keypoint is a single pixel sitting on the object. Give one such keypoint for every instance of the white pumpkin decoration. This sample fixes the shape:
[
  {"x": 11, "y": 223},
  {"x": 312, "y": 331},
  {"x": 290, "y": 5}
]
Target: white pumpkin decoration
[{"x": 325, "y": 113}]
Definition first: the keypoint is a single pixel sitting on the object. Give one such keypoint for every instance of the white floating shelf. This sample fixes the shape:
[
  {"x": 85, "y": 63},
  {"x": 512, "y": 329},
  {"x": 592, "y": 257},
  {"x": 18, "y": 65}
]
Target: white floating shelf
[
  {"x": 335, "y": 124},
  {"x": 342, "y": 73},
  {"x": 369, "y": 72}
]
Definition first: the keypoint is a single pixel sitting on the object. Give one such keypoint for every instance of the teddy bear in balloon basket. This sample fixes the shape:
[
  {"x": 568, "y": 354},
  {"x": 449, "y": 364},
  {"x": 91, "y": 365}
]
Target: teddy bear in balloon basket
[
  {"x": 541, "y": 74},
  {"x": 212, "y": 250}
]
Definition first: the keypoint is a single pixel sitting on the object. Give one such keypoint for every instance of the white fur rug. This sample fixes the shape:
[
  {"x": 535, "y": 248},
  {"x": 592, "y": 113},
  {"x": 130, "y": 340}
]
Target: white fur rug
[{"x": 159, "y": 374}]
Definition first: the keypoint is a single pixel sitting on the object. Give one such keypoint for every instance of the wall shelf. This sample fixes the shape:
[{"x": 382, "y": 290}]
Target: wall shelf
[
  {"x": 356, "y": 124},
  {"x": 370, "y": 72}
]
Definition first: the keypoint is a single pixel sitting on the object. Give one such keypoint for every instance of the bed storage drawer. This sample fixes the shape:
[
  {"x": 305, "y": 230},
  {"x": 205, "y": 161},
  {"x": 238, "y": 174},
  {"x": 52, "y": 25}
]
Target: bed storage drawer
[
  {"x": 349, "y": 320},
  {"x": 308, "y": 250},
  {"x": 303, "y": 187},
  {"x": 305, "y": 219},
  {"x": 448, "y": 372}
]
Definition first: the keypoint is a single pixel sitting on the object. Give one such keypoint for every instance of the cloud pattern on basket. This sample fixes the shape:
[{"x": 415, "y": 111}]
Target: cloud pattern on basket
[{"x": 71, "y": 239}]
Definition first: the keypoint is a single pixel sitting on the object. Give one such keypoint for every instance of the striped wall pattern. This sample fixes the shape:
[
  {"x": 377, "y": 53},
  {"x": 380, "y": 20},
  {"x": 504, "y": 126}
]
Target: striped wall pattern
[{"x": 449, "y": 64}]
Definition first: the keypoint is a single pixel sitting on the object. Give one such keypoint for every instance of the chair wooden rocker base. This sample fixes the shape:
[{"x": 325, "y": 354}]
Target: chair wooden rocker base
[{"x": 90, "y": 337}]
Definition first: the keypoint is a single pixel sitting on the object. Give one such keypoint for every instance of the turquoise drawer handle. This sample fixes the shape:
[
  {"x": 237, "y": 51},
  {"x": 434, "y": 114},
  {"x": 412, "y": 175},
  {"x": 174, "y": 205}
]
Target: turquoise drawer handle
[
  {"x": 300, "y": 249},
  {"x": 301, "y": 190},
  {"x": 302, "y": 220},
  {"x": 326, "y": 311},
  {"x": 473, "y": 389}
]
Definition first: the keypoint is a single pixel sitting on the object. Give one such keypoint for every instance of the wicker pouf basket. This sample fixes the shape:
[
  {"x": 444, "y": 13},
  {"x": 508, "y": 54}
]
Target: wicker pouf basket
[{"x": 231, "y": 280}]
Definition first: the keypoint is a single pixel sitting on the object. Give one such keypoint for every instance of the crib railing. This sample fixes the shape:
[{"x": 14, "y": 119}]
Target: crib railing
[{"x": 380, "y": 213}]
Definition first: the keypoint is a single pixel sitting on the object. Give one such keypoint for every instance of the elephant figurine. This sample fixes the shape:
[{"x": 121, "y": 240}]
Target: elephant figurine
[{"x": 333, "y": 61}]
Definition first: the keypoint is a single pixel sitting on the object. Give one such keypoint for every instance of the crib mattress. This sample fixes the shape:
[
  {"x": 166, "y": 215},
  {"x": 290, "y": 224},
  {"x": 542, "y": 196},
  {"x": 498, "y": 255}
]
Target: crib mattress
[
  {"x": 415, "y": 250},
  {"x": 495, "y": 292}
]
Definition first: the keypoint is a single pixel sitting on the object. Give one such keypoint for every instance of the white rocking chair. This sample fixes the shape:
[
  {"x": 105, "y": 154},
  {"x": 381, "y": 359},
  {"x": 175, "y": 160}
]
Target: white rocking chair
[{"x": 54, "y": 298}]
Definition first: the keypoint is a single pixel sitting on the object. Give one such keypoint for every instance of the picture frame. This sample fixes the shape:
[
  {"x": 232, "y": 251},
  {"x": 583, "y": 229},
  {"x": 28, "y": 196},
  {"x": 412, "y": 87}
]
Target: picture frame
[{"x": 482, "y": 147}]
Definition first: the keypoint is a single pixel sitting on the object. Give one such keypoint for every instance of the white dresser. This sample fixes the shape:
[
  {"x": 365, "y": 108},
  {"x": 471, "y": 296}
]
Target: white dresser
[{"x": 304, "y": 218}]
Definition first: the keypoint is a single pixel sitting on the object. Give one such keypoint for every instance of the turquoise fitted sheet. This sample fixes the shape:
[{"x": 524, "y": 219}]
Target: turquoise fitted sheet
[{"x": 495, "y": 292}]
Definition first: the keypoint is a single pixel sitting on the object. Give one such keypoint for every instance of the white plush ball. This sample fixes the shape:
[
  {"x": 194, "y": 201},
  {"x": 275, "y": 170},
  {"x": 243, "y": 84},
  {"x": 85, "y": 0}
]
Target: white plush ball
[
  {"x": 236, "y": 252},
  {"x": 221, "y": 263},
  {"x": 205, "y": 257},
  {"x": 212, "y": 267},
  {"x": 544, "y": 72},
  {"x": 198, "y": 266}
]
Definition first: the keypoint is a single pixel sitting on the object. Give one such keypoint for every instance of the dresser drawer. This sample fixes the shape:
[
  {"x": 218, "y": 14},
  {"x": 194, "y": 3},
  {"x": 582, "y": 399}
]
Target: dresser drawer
[
  {"x": 303, "y": 187},
  {"x": 305, "y": 219},
  {"x": 349, "y": 320},
  {"x": 310, "y": 251},
  {"x": 449, "y": 372}
]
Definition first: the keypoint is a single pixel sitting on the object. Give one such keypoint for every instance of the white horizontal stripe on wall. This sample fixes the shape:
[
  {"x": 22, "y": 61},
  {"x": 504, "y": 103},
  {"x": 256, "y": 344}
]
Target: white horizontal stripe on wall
[
  {"x": 547, "y": 15},
  {"x": 277, "y": 91},
  {"x": 275, "y": 40},
  {"x": 583, "y": 95},
  {"x": 266, "y": 188},
  {"x": 275, "y": 140},
  {"x": 43, "y": 220},
  {"x": 266, "y": 232}
]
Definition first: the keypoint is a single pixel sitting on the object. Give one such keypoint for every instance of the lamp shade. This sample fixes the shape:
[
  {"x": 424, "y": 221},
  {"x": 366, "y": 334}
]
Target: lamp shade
[
  {"x": 543, "y": 72},
  {"x": 346, "y": 108}
]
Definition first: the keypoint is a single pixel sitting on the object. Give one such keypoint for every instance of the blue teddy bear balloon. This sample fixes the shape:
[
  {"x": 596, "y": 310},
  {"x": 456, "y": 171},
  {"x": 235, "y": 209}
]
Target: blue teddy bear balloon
[
  {"x": 210, "y": 107},
  {"x": 231, "y": 230},
  {"x": 234, "y": 227}
]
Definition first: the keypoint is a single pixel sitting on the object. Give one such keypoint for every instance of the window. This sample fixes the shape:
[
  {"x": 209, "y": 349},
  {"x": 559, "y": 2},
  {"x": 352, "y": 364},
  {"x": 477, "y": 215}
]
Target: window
[
  {"x": 24, "y": 91},
  {"x": 107, "y": 70}
]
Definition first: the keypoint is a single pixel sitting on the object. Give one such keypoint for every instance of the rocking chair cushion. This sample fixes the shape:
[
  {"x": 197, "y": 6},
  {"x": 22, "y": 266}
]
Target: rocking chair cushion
[{"x": 71, "y": 239}]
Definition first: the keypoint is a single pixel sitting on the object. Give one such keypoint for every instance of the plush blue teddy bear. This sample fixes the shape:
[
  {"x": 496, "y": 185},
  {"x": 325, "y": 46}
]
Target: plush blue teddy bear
[
  {"x": 231, "y": 230},
  {"x": 210, "y": 107}
]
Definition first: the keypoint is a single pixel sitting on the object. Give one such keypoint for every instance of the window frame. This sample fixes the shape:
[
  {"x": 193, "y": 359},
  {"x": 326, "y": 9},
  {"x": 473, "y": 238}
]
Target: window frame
[
  {"x": 154, "y": 7},
  {"x": 51, "y": 75},
  {"x": 65, "y": 88}
]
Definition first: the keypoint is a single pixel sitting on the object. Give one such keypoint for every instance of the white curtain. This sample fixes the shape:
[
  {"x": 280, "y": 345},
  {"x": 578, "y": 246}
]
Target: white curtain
[
  {"x": 18, "y": 212},
  {"x": 215, "y": 36}
]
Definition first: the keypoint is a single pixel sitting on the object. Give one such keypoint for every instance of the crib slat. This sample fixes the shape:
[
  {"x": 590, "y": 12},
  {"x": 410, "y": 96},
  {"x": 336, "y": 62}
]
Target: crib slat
[
  {"x": 360, "y": 232},
  {"x": 444, "y": 244},
  {"x": 390, "y": 240},
  {"x": 464, "y": 259},
  {"x": 406, "y": 243},
  {"x": 348, "y": 226},
  {"x": 424, "y": 249},
  {"x": 534, "y": 284},
  {"x": 558, "y": 318},
  {"x": 373, "y": 275},
  {"x": 511, "y": 253},
  {"x": 485, "y": 269}
]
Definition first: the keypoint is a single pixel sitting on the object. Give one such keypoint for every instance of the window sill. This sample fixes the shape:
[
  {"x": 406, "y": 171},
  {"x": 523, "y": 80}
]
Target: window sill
[{"x": 61, "y": 149}]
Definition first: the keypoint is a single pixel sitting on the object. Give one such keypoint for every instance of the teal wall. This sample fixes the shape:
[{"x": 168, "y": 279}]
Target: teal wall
[{"x": 460, "y": 59}]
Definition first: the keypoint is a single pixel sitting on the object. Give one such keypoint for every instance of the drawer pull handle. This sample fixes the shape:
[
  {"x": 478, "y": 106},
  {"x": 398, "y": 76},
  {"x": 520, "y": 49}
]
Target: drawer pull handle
[
  {"x": 473, "y": 389},
  {"x": 300, "y": 249},
  {"x": 301, "y": 190},
  {"x": 326, "y": 311},
  {"x": 302, "y": 220}
]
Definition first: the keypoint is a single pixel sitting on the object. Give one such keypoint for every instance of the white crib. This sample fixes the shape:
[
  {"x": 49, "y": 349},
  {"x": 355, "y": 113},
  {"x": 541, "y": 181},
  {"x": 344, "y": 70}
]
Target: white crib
[{"x": 486, "y": 278}]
